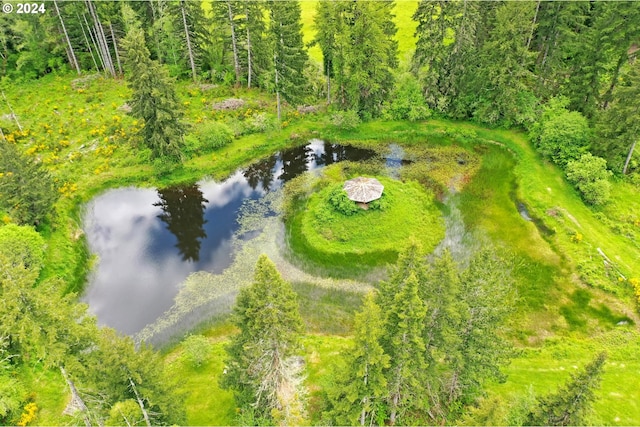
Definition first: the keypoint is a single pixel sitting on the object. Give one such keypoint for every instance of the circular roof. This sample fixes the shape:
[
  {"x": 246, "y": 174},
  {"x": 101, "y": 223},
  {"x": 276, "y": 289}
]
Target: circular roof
[{"x": 363, "y": 189}]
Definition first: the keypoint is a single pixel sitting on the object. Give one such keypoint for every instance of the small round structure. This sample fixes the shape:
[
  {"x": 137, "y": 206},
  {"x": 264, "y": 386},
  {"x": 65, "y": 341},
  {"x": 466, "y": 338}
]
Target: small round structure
[{"x": 363, "y": 190}]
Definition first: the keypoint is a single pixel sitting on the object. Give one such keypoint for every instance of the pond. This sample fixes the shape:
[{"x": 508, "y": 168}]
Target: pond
[{"x": 149, "y": 240}]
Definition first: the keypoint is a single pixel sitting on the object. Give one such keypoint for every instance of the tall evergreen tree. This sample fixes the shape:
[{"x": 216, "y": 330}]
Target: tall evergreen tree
[
  {"x": 359, "y": 52},
  {"x": 27, "y": 190},
  {"x": 289, "y": 54},
  {"x": 503, "y": 84},
  {"x": 411, "y": 260},
  {"x": 70, "y": 50},
  {"x": 556, "y": 36},
  {"x": 188, "y": 39},
  {"x": 326, "y": 21},
  {"x": 101, "y": 38},
  {"x": 226, "y": 14},
  {"x": 441, "y": 292},
  {"x": 114, "y": 371},
  {"x": 600, "y": 53},
  {"x": 572, "y": 402},
  {"x": 361, "y": 389},
  {"x": 404, "y": 329},
  {"x": 252, "y": 38},
  {"x": 154, "y": 99},
  {"x": 618, "y": 127},
  {"x": 487, "y": 298},
  {"x": 262, "y": 368},
  {"x": 371, "y": 56},
  {"x": 446, "y": 46}
]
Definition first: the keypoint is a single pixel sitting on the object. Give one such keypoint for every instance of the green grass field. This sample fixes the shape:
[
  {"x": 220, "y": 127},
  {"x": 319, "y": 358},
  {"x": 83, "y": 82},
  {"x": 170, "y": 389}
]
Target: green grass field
[{"x": 321, "y": 234}]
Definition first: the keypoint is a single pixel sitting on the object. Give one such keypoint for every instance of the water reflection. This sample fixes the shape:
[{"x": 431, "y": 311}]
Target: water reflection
[
  {"x": 261, "y": 173},
  {"x": 148, "y": 241},
  {"x": 183, "y": 212},
  {"x": 295, "y": 162}
]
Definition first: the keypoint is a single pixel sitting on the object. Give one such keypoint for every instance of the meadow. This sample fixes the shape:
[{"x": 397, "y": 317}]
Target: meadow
[{"x": 572, "y": 264}]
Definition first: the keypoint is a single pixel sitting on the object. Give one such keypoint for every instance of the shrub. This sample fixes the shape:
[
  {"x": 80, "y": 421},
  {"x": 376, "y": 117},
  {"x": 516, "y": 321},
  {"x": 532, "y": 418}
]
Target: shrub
[
  {"x": 22, "y": 245},
  {"x": 260, "y": 122},
  {"x": 214, "y": 135},
  {"x": 345, "y": 120},
  {"x": 27, "y": 190},
  {"x": 564, "y": 137},
  {"x": 407, "y": 100},
  {"x": 340, "y": 201},
  {"x": 589, "y": 176},
  {"x": 636, "y": 288},
  {"x": 197, "y": 349},
  {"x": 380, "y": 204},
  {"x": 28, "y": 414}
]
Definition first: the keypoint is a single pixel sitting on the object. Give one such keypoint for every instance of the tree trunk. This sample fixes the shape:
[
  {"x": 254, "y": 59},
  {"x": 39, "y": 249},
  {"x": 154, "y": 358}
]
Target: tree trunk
[
  {"x": 328, "y": 88},
  {"x": 249, "y": 66},
  {"x": 275, "y": 66},
  {"x": 394, "y": 409},
  {"x": 188, "y": 37},
  {"x": 101, "y": 40},
  {"x": 365, "y": 400},
  {"x": 614, "y": 79},
  {"x": 533, "y": 24},
  {"x": 72, "y": 55},
  {"x": 94, "y": 44},
  {"x": 234, "y": 44},
  {"x": 115, "y": 47},
  {"x": 144, "y": 411},
  {"x": 13, "y": 114},
  {"x": 76, "y": 400},
  {"x": 626, "y": 163}
]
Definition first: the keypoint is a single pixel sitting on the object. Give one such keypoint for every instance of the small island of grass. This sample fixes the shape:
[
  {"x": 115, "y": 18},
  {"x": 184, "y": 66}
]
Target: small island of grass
[{"x": 332, "y": 231}]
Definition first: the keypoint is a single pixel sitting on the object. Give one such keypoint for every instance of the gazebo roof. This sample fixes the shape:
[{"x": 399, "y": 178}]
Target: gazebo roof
[{"x": 363, "y": 190}]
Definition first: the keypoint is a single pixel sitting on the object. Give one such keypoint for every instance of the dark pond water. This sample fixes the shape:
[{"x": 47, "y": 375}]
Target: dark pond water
[{"x": 148, "y": 241}]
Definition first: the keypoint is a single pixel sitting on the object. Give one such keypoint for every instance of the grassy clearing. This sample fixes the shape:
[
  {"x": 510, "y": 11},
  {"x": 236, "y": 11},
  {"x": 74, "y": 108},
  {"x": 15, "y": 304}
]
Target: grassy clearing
[
  {"x": 206, "y": 402},
  {"x": 323, "y": 235},
  {"x": 547, "y": 367},
  {"x": 327, "y": 311},
  {"x": 327, "y": 314}
]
